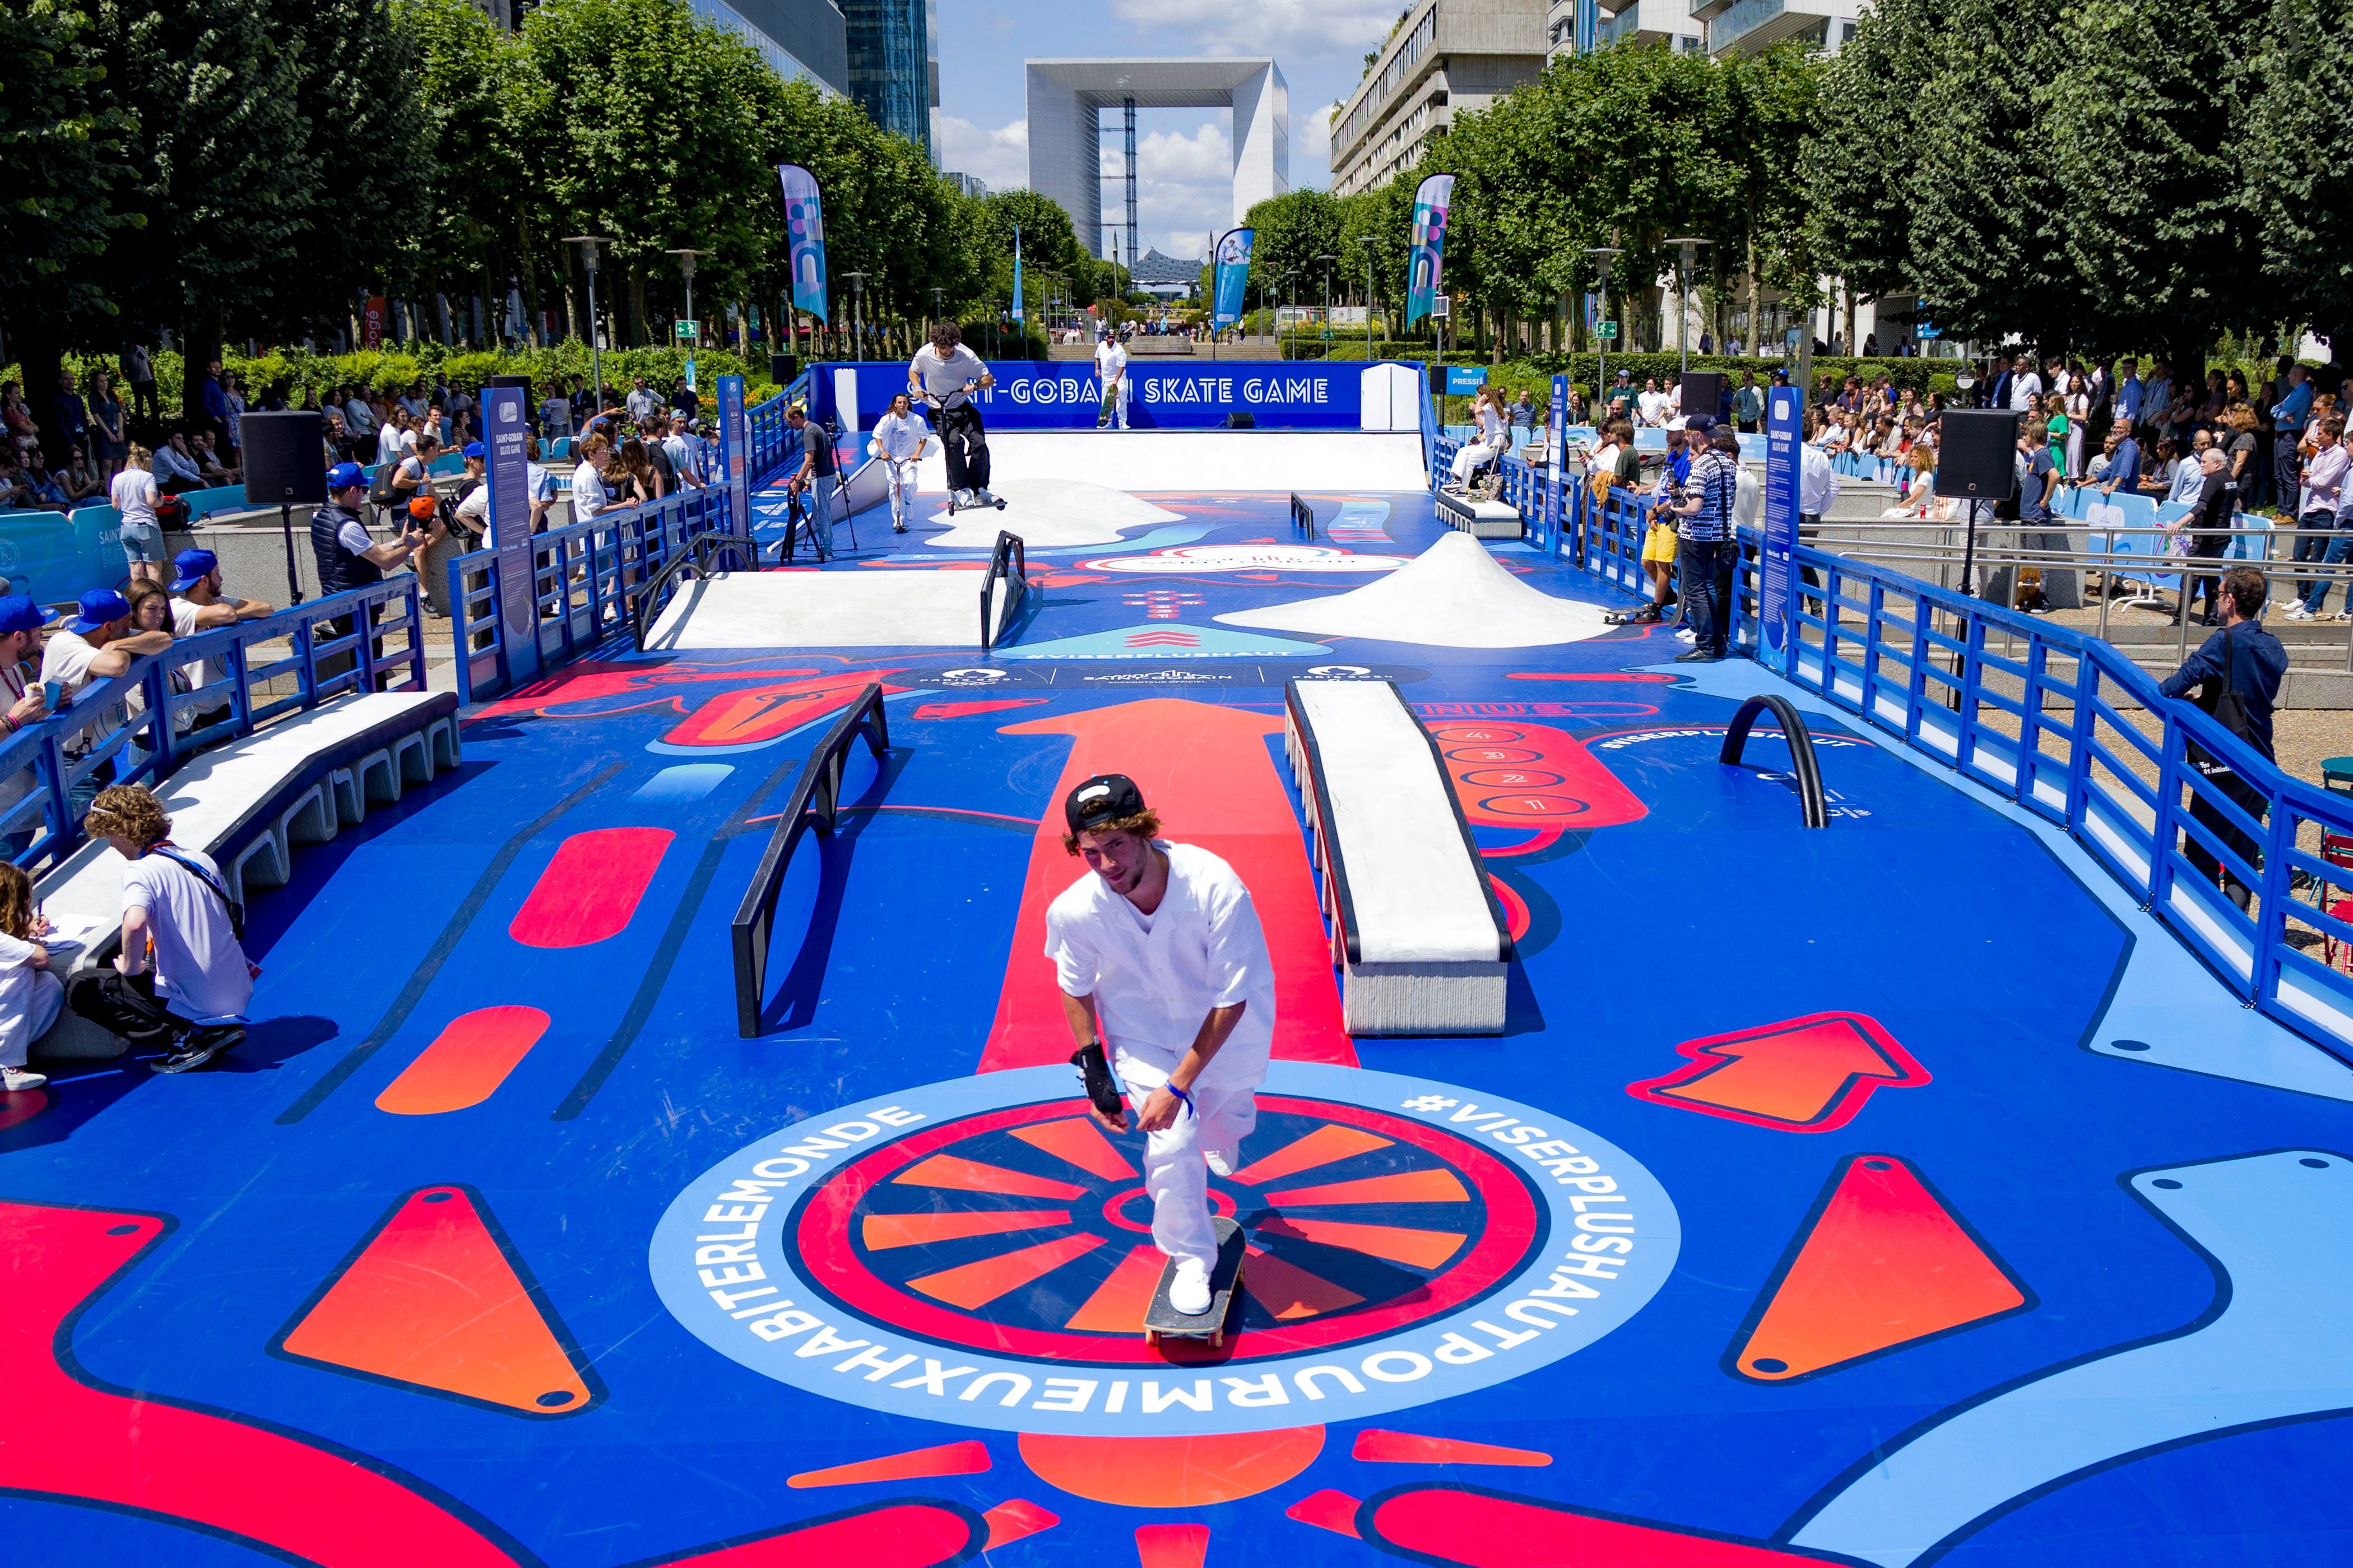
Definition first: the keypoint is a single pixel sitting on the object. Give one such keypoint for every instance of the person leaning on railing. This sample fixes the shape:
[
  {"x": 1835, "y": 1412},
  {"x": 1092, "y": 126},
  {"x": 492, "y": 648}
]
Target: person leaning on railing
[{"x": 2238, "y": 671}]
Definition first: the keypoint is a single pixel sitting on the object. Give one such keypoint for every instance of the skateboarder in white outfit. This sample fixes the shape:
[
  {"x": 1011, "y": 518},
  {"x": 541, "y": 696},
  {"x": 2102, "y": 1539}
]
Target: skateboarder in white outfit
[
  {"x": 900, "y": 437},
  {"x": 1160, "y": 958},
  {"x": 1111, "y": 370}
]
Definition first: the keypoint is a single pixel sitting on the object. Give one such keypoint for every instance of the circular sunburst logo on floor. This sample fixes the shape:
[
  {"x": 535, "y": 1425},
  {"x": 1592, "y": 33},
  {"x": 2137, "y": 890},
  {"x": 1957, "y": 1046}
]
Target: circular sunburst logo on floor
[{"x": 979, "y": 1252}]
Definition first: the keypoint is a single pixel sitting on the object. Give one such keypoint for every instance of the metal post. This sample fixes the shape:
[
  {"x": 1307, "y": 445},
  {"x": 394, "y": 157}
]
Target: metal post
[
  {"x": 1602, "y": 256},
  {"x": 1367, "y": 241},
  {"x": 1129, "y": 106},
  {"x": 588, "y": 244},
  {"x": 857, "y": 323},
  {"x": 1687, "y": 253}
]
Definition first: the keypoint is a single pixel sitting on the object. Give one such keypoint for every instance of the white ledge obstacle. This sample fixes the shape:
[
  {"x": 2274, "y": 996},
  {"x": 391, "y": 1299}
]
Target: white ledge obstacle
[
  {"x": 1479, "y": 518},
  {"x": 246, "y": 804},
  {"x": 1421, "y": 942}
]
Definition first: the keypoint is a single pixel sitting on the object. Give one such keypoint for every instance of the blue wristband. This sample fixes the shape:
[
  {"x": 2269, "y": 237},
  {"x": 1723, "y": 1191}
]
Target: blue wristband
[{"x": 1186, "y": 1098}]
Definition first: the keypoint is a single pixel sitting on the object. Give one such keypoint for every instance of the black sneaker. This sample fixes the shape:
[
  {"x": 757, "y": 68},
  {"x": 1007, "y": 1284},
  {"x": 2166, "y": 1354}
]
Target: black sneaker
[
  {"x": 1697, "y": 655},
  {"x": 199, "y": 1048}
]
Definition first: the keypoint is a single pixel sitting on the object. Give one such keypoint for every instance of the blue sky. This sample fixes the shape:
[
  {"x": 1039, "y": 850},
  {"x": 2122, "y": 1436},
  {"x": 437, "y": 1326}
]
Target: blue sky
[{"x": 1185, "y": 160}]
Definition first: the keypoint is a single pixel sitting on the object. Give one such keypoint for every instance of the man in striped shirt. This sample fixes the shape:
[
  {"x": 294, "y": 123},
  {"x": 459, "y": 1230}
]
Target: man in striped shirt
[{"x": 1710, "y": 550}]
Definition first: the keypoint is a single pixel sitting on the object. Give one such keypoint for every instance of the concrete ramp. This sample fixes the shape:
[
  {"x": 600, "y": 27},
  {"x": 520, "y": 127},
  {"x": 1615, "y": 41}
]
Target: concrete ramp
[
  {"x": 822, "y": 609},
  {"x": 1196, "y": 460}
]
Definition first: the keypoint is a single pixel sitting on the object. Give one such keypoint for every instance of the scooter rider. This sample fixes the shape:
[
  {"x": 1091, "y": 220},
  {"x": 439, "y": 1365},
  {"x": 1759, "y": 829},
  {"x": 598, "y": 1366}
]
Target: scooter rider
[
  {"x": 900, "y": 437},
  {"x": 940, "y": 374}
]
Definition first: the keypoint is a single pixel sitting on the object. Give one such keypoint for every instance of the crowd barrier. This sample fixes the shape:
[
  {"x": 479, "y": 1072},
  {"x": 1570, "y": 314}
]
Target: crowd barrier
[{"x": 367, "y": 640}]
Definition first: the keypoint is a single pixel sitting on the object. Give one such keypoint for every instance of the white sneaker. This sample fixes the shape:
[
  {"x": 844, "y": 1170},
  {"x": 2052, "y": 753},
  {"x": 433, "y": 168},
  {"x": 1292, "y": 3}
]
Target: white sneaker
[
  {"x": 2296, "y": 612},
  {"x": 960, "y": 498},
  {"x": 17, "y": 1078},
  {"x": 1188, "y": 1292},
  {"x": 982, "y": 498},
  {"x": 1219, "y": 1160},
  {"x": 1686, "y": 635}
]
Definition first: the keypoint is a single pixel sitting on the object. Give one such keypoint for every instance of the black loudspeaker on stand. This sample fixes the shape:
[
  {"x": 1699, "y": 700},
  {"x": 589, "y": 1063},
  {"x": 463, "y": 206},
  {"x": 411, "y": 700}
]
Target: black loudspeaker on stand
[
  {"x": 1976, "y": 454},
  {"x": 1702, "y": 393},
  {"x": 783, "y": 368},
  {"x": 285, "y": 467}
]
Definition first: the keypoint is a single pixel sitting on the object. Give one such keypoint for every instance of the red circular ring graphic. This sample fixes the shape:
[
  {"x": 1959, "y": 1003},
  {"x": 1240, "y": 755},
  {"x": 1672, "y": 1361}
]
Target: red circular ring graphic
[
  {"x": 1494, "y": 754},
  {"x": 1534, "y": 805},
  {"x": 1220, "y": 1203},
  {"x": 1482, "y": 735},
  {"x": 1509, "y": 778},
  {"x": 830, "y": 1264}
]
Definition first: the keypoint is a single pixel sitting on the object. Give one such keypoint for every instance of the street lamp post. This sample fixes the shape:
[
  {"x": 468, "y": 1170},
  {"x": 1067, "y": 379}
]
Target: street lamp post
[
  {"x": 1327, "y": 262},
  {"x": 588, "y": 244},
  {"x": 1687, "y": 252},
  {"x": 686, "y": 259},
  {"x": 1602, "y": 256},
  {"x": 1367, "y": 242},
  {"x": 857, "y": 314}
]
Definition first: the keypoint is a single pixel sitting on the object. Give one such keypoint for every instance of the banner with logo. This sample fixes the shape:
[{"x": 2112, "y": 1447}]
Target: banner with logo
[
  {"x": 1429, "y": 203},
  {"x": 804, "y": 229},
  {"x": 372, "y": 314},
  {"x": 1776, "y": 612},
  {"x": 507, "y": 456},
  {"x": 734, "y": 453},
  {"x": 1016, "y": 274},
  {"x": 1233, "y": 273},
  {"x": 1556, "y": 464}
]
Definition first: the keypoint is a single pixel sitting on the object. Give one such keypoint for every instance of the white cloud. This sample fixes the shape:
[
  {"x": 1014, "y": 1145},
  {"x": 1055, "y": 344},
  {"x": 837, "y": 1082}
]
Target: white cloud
[
  {"x": 1185, "y": 188},
  {"x": 1265, "y": 27},
  {"x": 1311, "y": 147},
  {"x": 999, "y": 159}
]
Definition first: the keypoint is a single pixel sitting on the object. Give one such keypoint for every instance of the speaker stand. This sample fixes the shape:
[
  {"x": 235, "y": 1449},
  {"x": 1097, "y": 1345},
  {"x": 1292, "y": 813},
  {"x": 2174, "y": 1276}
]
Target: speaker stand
[{"x": 286, "y": 527}]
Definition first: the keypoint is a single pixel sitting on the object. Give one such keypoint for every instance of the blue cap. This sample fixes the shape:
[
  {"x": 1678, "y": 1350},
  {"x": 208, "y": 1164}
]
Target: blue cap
[
  {"x": 99, "y": 606},
  {"x": 192, "y": 566},
  {"x": 344, "y": 477},
  {"x": 19, "y": 612},
  {"x": 473, "y": 449}
]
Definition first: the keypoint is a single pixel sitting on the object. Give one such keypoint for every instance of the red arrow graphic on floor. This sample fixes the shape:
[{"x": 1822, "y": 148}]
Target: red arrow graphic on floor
[{"x": 1804, "y": 1075}]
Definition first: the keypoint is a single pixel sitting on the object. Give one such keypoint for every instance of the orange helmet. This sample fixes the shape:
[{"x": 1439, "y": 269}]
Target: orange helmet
[{"x": 424, "y": 508}]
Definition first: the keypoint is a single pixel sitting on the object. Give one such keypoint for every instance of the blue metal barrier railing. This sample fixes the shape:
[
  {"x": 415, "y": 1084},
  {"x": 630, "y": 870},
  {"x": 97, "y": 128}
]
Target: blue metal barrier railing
[
  {"x": 2042, "y": 716},
  {"x": 144, "y": 729}
]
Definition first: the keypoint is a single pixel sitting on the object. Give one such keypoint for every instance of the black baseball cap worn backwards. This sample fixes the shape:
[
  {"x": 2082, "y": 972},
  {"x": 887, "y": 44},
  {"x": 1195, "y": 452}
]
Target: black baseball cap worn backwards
[{"x": 1106, "y": 797}]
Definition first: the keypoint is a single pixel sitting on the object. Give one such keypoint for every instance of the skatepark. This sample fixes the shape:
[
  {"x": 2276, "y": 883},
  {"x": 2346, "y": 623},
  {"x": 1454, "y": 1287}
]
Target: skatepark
[{"x": 656, "y": 1144}]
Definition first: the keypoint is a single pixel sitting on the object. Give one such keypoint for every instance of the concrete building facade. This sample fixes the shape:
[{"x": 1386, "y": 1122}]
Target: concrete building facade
[
  {"x": 1066, "y": 100},
  {"x": 1751, "y": 27},
  {"x": 1444, "y": 56}
]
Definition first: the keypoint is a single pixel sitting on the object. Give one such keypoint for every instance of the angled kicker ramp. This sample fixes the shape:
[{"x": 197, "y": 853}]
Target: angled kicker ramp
[{"x": 821, "y": 609}]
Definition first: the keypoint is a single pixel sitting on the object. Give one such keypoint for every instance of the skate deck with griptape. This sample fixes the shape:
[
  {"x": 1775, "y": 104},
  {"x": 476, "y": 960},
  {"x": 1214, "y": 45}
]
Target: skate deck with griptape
[{"x": 1160, "y": 1318}]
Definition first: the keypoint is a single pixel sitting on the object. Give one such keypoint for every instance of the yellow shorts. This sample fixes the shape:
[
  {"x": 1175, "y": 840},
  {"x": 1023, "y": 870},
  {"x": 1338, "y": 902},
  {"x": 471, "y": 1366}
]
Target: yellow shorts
[{"x": 1660, "y": 544}]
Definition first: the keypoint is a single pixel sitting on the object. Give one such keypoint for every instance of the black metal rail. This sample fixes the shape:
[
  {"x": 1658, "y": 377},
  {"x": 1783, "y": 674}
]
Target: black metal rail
[
  {"x": 1303, "y": 516},
  {"x": 1008, "y": 563},
  {"x": 644, "y": 609},
  {"x": 815, "y": 802},
  {"x": 1802, "y": 765}
]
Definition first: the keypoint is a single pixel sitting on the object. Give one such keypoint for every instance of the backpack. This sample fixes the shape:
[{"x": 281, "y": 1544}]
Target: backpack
[
  {"x": 380, "y": 489},
  {"x": 2228, "y": 707}
]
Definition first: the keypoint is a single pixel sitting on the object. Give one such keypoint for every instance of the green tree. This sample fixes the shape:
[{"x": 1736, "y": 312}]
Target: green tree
[
  {"x": 483, "y": 108},
  {"x": 1289, "y": 232},
  {"x": 2299, "y": 87}
]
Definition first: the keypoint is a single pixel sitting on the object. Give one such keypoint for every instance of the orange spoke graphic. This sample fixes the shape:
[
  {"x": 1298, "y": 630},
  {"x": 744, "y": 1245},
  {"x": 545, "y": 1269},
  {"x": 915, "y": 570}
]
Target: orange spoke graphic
[
  {"x": 976, "y": 1285},
  {"x": 1421, "y": 1249},
  {"x": 1321, "y": 1147},
  {"x": 1433, "y": 1187},
  {"x": 1078, "y": 1142},
  {"x": 884, "y": 1231},
  {"x": 1118, "y": 1304},
  {"x": 1291, "y": 1293},
  {"x": 971, "y": 1176}
]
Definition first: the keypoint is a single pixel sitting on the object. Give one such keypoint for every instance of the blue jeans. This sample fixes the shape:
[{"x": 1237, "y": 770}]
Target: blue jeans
[
  {"x": 1705, "y": 567},
  {"x": 2340, "y": 550}
]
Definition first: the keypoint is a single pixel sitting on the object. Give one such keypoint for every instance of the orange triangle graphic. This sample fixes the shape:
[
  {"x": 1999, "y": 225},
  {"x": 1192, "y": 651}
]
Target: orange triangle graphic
[
  {"x": 435, "y": 1300},
  {"x": 1883, "y": 1264}
]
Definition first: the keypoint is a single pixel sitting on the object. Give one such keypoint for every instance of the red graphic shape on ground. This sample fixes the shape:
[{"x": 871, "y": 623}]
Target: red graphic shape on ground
[
  {"x": 1171, "y": 1472},
  {"x": 1326, "y": 1510},
  {"x": 967, "y": 709},
  {"x": 972, "y": 1176},
  {"x": 1172, "y": 1545},
  {"x": 1508, "y": 772},
  {"x": 1379, "y": 1447},
  {"x": 591, "y": 888},
  {"x": 22, "y": 1105},
  {"x": 1805, "y": 1074},
  {"x": 64, "y": 1438},
  {"x": 1207, "y": 771},
  {"x": 881, "y": 1232},
  {"x": 1399, "y": 1244},
  {"x": 435, "y": 1300},
  {"x": 598, "y": 681},
  {"x": 965, "y": 1459},
  {"x": 1289, "y": 1292},
  {"x": 1881, "y": 1263},
  {"x": 1078, "y": 1142},
  {"x": 1118, "y": 1305},
  {"x": 466, "y": 1062},
  {"x": 1431, "y": 1186},
  {"x": 1010, "y": 1521},
  {"x": 887, "y": 1535},
  {"x": 976, "y": 1285},
  {"x": 1326, "y": 1145},
  {"x": 759, "y": 714},
  {"x": 1475, "y": 1529}
]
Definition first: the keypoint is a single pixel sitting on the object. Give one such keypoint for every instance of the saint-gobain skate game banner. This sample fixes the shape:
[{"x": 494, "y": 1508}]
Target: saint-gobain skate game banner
[{"x": 1065, "y": 394}]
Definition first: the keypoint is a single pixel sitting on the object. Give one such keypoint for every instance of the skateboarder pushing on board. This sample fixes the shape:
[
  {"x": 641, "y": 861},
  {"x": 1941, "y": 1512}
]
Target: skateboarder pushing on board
[{"x": 1162, "y": 963}]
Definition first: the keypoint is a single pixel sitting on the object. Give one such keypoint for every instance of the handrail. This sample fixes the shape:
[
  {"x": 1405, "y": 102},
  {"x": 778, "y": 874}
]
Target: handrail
[
  {"x": 698, "y": 554},
  {"x": 1010, "y": 561},
  {"x": 1802, "y": 763},
  {"x": 815, "y": 800},
  {"x": 1303, "y": 516}
]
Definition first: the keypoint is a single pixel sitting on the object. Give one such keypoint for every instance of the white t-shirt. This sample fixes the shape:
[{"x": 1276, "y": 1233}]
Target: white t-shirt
[
  {"x": 357, "y": 416},
  {"x": 18, "y": 978},
  {"x": 683, "y": 459},
  {"x": 1153, "y": 984},
  {"x": 588, "y": 491},
  {"x": 387, "y": 443},
  {"x": 897, "y": 439},
  {"x": 2022, "y": 387},
  {"x": 200, "y": 969},
  {"x": 942, "y": 377},
  {"x": 66, "y": 659},
  {"x": 133, "y": 494},
  {"x": 1111, "y": 360},
  {"x": 183, "y": 625},
  {"x": 354, "y": 537},
  {"x": 1654, "y": 405}
]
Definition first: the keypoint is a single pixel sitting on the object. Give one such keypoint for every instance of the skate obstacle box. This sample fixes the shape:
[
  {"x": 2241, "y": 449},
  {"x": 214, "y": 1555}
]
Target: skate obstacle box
[
  {"x": 1421, "y": 942},
  {"x": 1478, "y": 518},
  {"x": 246, "y": 804}
]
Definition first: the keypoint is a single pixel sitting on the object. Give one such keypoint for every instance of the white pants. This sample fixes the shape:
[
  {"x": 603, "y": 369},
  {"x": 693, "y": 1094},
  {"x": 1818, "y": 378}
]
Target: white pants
[
  {"x": 1119, "y": 403},
  {"x": 901, "y": 474},
  {"x": 1174, "y": 1174},
  {"x": 1469, "y": 458},
  {"x": 36, "y": 1008}
]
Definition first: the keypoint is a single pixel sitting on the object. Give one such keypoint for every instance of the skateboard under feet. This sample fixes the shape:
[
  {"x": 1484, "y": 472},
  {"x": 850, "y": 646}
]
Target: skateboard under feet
[{"x": 1161, "y": 1320}]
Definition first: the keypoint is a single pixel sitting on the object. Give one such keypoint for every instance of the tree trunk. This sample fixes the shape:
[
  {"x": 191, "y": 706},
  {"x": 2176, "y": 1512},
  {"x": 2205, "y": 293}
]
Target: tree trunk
[{"x": 1848, "y": 290}]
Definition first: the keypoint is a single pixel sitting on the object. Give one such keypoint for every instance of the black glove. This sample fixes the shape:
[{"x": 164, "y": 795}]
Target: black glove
[{"x": 1101, "y": 1087}]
